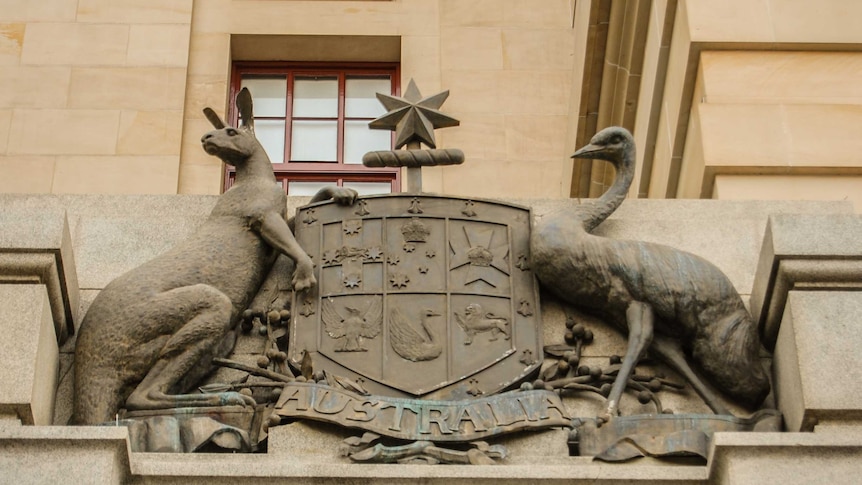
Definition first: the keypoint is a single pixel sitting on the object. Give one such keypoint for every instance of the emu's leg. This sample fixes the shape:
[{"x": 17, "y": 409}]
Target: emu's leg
[
  {"x": 640, "y": 320},
  {"x": 189, "y": 351},
  {"x": 670, "y": 352}
]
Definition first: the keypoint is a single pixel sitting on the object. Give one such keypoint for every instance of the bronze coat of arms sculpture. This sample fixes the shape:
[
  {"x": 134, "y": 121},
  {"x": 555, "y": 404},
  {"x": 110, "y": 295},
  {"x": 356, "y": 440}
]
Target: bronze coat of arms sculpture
[{"x": 415, "y": 317}]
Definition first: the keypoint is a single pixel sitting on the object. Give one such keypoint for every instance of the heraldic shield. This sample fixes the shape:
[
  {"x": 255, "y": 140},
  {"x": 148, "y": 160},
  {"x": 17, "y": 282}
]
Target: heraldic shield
[{"x": 422, "y": 296}]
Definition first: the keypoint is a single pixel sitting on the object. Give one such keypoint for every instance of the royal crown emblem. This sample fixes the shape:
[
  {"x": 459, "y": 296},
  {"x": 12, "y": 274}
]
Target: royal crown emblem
[{"x": 414, "y": 231}]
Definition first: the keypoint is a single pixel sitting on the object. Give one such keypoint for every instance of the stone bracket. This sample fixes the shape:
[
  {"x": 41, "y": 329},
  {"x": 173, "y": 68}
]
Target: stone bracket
[
  {"x": 37, "y": 249},
  {"x": 804, "y": 252}
]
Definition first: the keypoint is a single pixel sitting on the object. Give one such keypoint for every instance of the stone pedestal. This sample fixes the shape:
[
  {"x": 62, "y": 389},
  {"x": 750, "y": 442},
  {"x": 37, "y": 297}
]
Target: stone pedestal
[
  {"x": 64, "y": 454},
  {"x": 818, "y": 366},
  {"x": 36, "y": 247},
  {"x": 29, "y": 356},
  {"x": 807, "y": 296},
  {"x": 804, "y": 253}
]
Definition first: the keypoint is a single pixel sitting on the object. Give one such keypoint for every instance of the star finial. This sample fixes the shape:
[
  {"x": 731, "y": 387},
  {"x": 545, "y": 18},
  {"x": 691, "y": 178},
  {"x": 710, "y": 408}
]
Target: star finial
[{"x": 412, "y": 117}]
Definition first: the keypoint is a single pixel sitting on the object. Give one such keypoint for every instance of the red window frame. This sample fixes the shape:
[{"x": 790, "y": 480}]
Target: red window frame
[{"x": 329, "y": 171}]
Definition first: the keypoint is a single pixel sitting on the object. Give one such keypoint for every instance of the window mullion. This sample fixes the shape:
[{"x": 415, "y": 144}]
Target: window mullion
[
  {"x": 340, "y": 129},
  {"x": 288, "y": 118}
]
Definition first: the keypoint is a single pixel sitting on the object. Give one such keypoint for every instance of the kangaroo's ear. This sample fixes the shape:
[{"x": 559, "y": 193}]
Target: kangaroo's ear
[
  {"x": 243, "y": 102},
  {"x": 214, "y": 118}
]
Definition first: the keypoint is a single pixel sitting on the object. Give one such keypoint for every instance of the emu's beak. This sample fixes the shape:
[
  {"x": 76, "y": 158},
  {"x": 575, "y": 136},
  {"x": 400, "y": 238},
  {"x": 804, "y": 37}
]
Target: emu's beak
[{"x": 587, "y": 151}]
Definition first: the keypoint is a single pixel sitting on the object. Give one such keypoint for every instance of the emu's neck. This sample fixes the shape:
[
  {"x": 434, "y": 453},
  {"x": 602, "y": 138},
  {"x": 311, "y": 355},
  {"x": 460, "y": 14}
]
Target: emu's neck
[{"x": 595, "y": 212}]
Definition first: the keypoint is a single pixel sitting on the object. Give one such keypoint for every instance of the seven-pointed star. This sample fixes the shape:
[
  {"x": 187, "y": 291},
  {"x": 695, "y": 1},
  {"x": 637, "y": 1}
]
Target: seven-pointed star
[{"x": 412, "y": 117}]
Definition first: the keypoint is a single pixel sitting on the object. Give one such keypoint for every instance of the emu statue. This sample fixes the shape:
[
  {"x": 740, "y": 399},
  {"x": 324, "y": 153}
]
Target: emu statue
[
  {"x": 673, "y": 303},
  {"x": 153, "y": 332}
]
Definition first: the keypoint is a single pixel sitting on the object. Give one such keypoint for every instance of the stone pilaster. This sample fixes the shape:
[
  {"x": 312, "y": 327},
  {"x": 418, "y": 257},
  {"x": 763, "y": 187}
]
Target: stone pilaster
[{"x": 807, "y": 296}]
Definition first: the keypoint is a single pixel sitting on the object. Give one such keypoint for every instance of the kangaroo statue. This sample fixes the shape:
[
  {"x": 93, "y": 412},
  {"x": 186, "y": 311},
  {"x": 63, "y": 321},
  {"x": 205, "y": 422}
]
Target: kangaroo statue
[{"x": 152, "y": 333}]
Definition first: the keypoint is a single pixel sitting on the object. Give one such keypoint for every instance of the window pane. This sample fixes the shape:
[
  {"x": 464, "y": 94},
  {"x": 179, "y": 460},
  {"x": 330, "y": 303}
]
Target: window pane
[
  {"x": 359, "y": 139},
  {"x": 314, "y": 141},
  {"x": 361, "y": 100},
  {"x": 270, "y": 133},
  {"x": 315, "y": 97},
  {"x": 369, "y": 188},
  {"x": 268, "y": 94},
  {"x": 305, "y": 188}
]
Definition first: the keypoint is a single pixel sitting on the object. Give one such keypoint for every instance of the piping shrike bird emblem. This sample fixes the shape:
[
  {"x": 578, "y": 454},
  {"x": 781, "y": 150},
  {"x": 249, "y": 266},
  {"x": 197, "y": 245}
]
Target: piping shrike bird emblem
[{"x": 355, "y": 326}]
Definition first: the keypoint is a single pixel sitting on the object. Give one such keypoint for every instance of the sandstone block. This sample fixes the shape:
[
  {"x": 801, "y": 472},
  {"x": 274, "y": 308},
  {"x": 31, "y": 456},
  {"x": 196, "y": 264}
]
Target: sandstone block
[
  {"x": 37, "y": 249},
  {"x": 73, "y": 131},
  {"x": 135, "y": 11},
  {"x": 817, "y": 364},
  {"x": 153, "y": 174},
  {"x": 29, "y": 356},
  {"x": 34, "y": 86},
  {"x": 814, "y": 252},
  {"x": 76, "y": 44},
  {"x": 140, "y": 88},
  {"x": 158, "y": 45},
  {"x": 27, "y": 174}
]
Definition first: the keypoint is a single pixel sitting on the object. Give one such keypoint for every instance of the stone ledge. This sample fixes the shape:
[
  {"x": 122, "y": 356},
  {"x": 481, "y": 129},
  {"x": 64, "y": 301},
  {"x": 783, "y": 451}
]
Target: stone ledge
[
  {"x": 814, "y": 252},
  {"x": 785, "y": 458},
  {"x": 95, "y": 454},
  {"x": 56, "y": 454},
  {"x": 37, "y": 248},
  {"x": 208, "y": 469}
]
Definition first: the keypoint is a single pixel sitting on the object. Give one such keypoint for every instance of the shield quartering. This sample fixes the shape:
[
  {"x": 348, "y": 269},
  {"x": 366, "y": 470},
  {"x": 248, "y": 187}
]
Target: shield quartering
[{"x": 419, "y": 296}]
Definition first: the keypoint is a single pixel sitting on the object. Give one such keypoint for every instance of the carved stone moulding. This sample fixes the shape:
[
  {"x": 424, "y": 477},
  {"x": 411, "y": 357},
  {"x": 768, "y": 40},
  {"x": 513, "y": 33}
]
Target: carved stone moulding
[
  {"x": 804, "y": 252},
  {"x": 415, "y": 298},
  {"x": 37, "y": 249}
]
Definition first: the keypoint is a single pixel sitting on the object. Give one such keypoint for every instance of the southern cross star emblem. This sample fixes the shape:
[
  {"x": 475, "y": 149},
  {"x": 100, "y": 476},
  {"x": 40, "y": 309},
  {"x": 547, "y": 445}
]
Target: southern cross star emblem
[{"x": 412, "y": 117}]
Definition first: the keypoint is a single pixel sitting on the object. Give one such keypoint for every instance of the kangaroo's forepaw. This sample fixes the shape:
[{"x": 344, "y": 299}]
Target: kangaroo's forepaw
[
  {"x": 303, "y": 277},
  {"x": 343, "y": 196}
]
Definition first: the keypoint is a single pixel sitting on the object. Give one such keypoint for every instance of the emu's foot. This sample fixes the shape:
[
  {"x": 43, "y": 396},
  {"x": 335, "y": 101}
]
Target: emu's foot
[
  {"x": 610, "y": 413},
  {"x": 603, "y": 418}
]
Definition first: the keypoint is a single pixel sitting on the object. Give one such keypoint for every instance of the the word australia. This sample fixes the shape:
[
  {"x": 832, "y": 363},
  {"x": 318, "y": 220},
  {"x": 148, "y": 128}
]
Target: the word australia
[{"x": 414, "y": 419}]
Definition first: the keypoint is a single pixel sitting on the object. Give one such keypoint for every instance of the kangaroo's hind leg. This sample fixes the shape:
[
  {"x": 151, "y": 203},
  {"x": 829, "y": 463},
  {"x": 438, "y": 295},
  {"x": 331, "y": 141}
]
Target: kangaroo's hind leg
[{"x": 187, "y": 355}]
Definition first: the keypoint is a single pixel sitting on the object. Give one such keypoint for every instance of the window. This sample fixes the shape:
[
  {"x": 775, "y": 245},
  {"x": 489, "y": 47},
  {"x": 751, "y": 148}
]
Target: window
[{"x": 312, "y": 120}]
